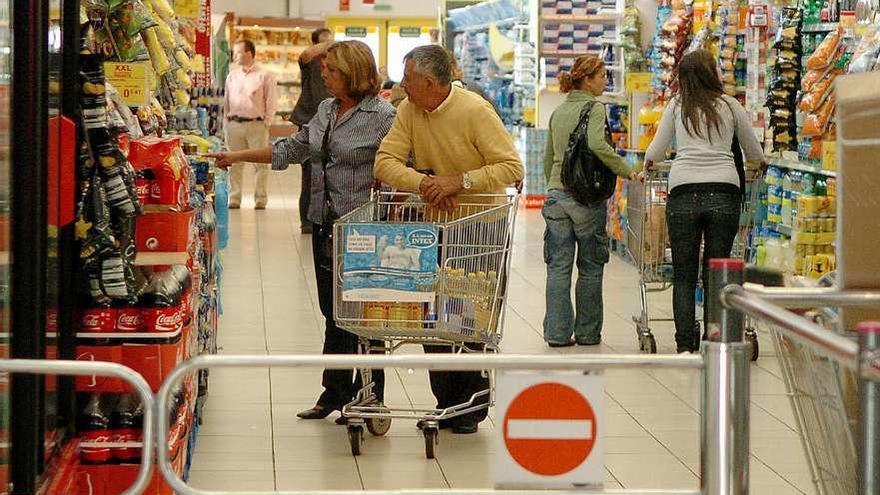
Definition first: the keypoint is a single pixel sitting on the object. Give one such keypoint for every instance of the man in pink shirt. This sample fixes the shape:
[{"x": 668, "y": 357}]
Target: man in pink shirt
[{"x": 249, "y": 110}]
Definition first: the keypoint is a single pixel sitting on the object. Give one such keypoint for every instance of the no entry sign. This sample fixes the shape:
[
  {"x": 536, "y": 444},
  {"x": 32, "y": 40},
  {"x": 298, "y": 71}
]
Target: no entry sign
[{"x": 550, "y": 430}]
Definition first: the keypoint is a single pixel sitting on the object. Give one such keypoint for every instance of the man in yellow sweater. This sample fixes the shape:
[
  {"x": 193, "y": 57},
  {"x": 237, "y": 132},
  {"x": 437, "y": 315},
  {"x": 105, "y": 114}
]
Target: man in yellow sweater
[{"x": 458, "y": 145}]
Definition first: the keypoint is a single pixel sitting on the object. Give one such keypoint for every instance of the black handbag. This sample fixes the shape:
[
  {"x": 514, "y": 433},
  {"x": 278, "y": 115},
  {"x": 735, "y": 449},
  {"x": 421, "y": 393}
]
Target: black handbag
[{"x": 585, "y": 177}]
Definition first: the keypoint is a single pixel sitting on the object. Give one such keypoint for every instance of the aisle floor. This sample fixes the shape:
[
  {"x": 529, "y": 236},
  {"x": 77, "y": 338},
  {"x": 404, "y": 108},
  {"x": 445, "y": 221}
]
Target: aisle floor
[{"x": 252, "y": 440}]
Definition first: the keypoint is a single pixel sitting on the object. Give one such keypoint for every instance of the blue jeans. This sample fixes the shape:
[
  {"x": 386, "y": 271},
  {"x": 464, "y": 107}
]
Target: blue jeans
[{"x": 573, "y": 228}]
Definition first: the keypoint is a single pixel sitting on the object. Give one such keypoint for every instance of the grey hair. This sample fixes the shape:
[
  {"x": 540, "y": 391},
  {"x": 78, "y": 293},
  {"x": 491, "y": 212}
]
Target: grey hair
[{"x": 432, "y": 60}]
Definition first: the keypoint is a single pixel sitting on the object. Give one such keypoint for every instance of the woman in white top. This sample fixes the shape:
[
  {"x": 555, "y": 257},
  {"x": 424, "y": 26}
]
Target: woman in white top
[{"x": 705, "y": 196}]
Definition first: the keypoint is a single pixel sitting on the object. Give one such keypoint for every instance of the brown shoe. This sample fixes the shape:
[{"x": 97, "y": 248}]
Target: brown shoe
[
  {"x": 234, "y": 206},
  {"x": 317, "y": 412},
  {"x": 260, "y": 206}
]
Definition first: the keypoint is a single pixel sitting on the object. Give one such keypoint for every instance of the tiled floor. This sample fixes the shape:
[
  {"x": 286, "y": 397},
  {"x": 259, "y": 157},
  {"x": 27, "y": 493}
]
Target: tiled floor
[{"x": 252, "y": 440}]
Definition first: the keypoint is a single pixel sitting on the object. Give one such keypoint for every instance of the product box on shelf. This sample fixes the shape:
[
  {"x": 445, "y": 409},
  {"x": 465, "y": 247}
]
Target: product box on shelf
[
  {"x": 165, "y": 231},
  {"x": 153, "y": 358},
  {"x": 162, "y": 170}
]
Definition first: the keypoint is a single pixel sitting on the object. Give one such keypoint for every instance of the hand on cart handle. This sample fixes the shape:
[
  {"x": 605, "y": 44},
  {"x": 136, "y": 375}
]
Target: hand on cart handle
[{"x": 649, "y": 165}]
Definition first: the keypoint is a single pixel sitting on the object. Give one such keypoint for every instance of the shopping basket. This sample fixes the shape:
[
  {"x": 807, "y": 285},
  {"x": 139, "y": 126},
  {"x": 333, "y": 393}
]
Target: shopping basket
[{"x": 408, "y": 273}]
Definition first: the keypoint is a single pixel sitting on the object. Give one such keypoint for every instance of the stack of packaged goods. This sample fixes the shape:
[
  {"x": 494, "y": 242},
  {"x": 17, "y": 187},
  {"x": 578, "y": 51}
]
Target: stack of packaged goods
[
  {"x": 146, "y": 233},
  {"x": 734, "y": 72},
  {"x": 631, "y": 40},
  {"x": 817, "y": 102},
  {"x": 800, "y": 224},
  {"x": 782, "y": 97},
  {"x": 532, "y": 144}
]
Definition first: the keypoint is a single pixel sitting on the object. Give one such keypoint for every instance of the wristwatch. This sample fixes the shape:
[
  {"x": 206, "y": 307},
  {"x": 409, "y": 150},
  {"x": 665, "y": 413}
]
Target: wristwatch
[{"x": 466, "y": 181}]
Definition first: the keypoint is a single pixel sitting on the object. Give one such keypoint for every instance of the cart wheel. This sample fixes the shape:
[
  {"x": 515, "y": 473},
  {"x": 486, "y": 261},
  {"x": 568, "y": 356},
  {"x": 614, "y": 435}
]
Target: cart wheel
[
  {"x": 430, "y": 441},
  {"x": 650, "y": 344},
  {"x": 378, "y": 426},
  {"x": 752, "y": 338},
  {"x": 355, "y": 438}
]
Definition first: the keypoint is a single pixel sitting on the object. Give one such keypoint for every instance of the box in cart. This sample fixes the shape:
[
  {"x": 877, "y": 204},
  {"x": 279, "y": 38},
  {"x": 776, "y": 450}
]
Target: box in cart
[{"x": 389, "y": 262}]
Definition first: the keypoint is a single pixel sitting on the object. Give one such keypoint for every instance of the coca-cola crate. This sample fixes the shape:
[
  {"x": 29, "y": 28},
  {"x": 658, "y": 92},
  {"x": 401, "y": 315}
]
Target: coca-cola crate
[
  {"x": 165, "y": 231},
  {"x": 151, "y": 356}
]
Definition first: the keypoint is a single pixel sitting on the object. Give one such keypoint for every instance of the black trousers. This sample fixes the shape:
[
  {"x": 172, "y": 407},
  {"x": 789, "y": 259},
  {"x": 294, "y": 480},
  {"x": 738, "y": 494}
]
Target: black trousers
[
  {"x": 710, "y": 216},
  {"x": 456, "y": 387},
  {"x": 305, "y": 193},
  {"x": 340, "y": 386}
]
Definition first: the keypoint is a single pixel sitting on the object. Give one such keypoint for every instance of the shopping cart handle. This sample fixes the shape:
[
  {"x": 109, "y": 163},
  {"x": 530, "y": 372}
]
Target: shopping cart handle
[{"x": 519, "y": 186}]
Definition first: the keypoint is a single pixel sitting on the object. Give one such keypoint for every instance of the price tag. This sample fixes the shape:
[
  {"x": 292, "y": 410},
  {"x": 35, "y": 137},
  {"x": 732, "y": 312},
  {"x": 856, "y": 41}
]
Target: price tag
[
  {"x": 639, "y": 82},
  {"x": 131, "y": 80}
]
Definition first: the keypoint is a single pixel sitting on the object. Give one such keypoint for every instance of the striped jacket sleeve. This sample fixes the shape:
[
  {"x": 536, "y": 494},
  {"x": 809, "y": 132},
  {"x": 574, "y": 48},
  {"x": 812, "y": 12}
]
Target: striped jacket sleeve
[{"x": 289, "y": 150}]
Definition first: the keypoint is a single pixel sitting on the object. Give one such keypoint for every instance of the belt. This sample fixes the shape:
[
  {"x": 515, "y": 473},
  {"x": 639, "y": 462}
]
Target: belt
[{"x": 243, "y": 119}]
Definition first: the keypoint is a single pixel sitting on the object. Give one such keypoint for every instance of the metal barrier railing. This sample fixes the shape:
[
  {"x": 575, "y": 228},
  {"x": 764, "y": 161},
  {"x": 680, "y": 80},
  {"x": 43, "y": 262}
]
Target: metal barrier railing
[
  {"x": 98, "y": 368},
  {"x": 725, "y": 463},
  {"x": 862, "y": 356}
]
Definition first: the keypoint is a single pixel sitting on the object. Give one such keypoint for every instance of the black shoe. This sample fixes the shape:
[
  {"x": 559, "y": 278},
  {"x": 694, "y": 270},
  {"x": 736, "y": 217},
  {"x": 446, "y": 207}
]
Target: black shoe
[
  {"x": 317, "y": 412},
  {"x": 341, "y": 420},
  {"x": 465, "y": 427},
  {"x": 589, "y": 342},
  {"x": 683, "y": 349},
  {"x": 561, "y": 344},
  {"x": 306, "y": 228}
]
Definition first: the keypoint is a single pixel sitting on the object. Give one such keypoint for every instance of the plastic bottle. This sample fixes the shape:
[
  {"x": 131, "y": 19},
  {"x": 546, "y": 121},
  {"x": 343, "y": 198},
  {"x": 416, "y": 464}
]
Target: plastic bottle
[
  {"x": 129, "y": 418},
  {"x": 95, "y": 428}
]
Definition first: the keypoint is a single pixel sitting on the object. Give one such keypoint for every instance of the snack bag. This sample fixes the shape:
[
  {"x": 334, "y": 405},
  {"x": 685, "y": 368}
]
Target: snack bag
[{"x": 826, "y": 52}]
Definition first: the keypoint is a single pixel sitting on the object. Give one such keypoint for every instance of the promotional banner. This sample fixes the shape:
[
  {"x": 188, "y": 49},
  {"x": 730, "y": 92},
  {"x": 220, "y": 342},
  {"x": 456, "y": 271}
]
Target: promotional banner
[{"x": 389, "y": 262}]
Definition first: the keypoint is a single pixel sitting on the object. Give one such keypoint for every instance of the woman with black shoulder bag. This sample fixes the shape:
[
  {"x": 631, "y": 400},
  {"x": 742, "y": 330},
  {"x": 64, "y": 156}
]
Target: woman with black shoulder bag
[
  {"x": 706, "y": 181},
  {"x": 341, "y": 140},
  {"x": 581, "y": 168}
]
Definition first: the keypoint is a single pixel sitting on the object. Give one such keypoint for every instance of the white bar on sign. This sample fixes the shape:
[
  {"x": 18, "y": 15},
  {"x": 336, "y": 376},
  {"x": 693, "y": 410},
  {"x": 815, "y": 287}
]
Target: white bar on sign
[{"x": 549, "y": 429}]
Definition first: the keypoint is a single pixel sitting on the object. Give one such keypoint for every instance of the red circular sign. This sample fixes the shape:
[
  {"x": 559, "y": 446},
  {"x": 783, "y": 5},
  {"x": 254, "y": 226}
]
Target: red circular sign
[{"x": 550, "y": 429}]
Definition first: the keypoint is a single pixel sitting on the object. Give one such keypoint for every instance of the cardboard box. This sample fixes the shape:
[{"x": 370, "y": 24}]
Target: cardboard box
[{"x": 858, "y": 182}]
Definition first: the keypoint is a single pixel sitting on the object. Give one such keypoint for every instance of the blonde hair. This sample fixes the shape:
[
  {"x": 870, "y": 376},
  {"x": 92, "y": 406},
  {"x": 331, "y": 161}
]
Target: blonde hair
[
  {"x": 585, "y": 67},
  {"x": 355, "y": 60}
]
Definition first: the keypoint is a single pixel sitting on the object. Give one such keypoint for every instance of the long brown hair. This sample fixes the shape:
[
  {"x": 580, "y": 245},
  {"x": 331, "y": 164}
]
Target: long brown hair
[
  {"x": 699, "y": 88},
  {"x": 585, "y": 67}
]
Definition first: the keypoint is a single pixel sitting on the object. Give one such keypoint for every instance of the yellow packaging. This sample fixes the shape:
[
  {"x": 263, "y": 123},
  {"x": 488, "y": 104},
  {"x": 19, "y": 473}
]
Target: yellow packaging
[
  {"x": 807, "y": 206},
  {"x": 375, "y": 311},
  {"x": 829, "y": 155}
]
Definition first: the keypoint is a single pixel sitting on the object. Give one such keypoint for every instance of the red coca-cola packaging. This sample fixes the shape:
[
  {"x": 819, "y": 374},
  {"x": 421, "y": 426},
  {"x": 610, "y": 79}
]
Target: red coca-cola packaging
[
  {"x": 128, "y": 419},
  {"x": 172, "y": 173},
  {"x": 98, "y": 320},
  {"x": 129, "y": 319},
  {"x": 95, "y": 427},
  {"x": 161, "y": 303},
  {"x": 144, "y": 184}
]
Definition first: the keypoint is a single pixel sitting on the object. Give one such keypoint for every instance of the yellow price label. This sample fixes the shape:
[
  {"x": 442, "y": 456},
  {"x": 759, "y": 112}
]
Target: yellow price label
[
  {"x": 132, "y": 81},
  {"x": 639, "y": 82}
]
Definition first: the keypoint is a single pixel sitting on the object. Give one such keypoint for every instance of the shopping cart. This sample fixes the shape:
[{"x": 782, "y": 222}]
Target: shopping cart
[
  {"x": 461, "y": 304},
  {"x": 647, "y": 240},
  {"x": 824, "y": 398}
]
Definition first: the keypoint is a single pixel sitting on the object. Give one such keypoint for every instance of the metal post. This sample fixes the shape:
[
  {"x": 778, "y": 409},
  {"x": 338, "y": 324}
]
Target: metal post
[
  {"x": 724, "y": 456},
  {"x": 869, "y": 410},
  {"x": 722, "y": 324}
]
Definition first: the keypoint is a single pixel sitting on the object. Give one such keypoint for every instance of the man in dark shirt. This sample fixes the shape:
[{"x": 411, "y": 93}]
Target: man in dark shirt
[{"x": 313, "y": 93}]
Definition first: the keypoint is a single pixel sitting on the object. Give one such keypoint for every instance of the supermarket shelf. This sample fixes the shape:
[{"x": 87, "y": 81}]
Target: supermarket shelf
[
  {"x": 803, "y": 167},
  {"x": 604, "y": 17},
  {"x": 129, "y": 335},
  {"x": 159, "y": 258},
  {"x": 822, "y": 27}
]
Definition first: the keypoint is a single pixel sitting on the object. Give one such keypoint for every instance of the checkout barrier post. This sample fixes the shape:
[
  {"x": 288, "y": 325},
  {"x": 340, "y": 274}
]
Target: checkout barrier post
[{"x": 99, "y": 368}]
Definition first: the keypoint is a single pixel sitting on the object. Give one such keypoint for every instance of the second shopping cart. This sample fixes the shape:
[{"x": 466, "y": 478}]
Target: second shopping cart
[
  {"x": 407, "y": 273},
  {"x": 647, "y": 241}
]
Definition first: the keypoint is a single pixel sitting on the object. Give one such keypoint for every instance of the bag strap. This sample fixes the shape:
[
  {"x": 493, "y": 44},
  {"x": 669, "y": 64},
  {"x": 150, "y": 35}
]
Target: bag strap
[
  {"x": 581, "y": 128},
  {"x": 738, "y": 160},
  {"x": 325, "y": 157}
]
